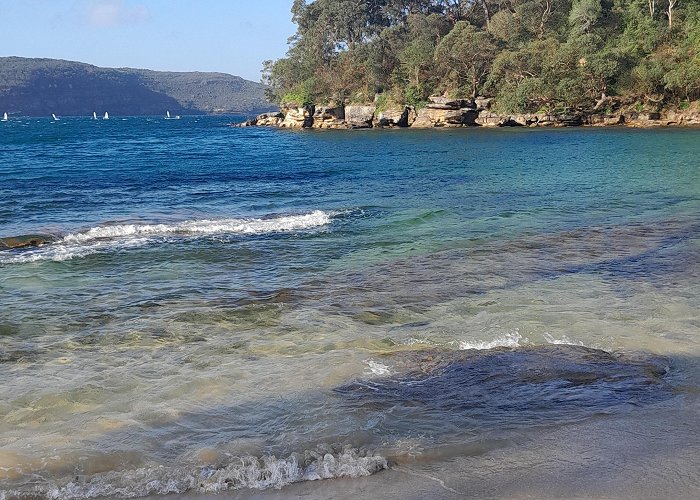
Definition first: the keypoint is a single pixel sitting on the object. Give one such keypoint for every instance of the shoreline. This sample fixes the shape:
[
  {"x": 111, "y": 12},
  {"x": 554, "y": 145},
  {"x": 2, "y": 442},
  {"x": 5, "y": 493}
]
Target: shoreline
[{"x": 442, "y": 112}]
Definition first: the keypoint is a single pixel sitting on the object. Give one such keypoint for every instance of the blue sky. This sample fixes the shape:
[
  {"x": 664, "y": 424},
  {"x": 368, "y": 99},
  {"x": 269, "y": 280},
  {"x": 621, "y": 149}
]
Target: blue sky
[{"x": 231, "y": 36}]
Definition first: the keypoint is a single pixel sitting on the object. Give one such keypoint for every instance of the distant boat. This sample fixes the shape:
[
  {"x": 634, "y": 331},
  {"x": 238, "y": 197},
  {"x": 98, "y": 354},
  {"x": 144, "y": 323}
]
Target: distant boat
[
  {"x": 106, "y": 116},
  {"x": 94, "y": 115},
  {"x": 4, "y": 116},
  {"x": 55, "y": 117},
  {"x": 168, "y": 117}
]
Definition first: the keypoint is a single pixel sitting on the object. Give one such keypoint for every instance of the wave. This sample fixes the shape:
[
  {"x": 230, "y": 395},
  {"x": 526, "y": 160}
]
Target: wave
[
  {"x": 283, "y": 223},
  {"x": 120, "y": 236},
  {"x": 241, "y": 472},
  {"x": 511, "y": 339}
]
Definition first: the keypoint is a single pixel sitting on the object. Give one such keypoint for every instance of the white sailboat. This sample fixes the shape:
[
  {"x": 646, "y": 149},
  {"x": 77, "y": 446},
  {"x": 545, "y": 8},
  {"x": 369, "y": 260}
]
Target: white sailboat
[
  {"x": 4, "y": 116},
  {"x": 168, "y": 117},
  {"x": 55, "y": 118},
  {"x": 106, "y": 116},
  {"x": 94, "y": 115}
]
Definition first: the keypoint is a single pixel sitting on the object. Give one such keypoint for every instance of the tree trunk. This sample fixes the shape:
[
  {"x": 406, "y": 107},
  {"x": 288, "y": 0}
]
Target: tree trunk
[
  {"x": 487, "y": 16},
  {"x": 671, "y": 5}
]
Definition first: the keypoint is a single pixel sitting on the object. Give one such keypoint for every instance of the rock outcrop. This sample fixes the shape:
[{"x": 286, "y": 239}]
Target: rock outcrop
[
  {"x": 329, "y": 117},
  {"x": 269, "y": 119},
  {"x": 447, "y": 112},
  {"x": 687, "y": 117},
  {"x": 297, "y": 117},
  {"x": 27, "y": 240},
  {"x": 359, "y": 116},
  {"x": 489, "y": 119},
  {"x": 396, "y": 117},
  {"x": 605, "y": 120}
]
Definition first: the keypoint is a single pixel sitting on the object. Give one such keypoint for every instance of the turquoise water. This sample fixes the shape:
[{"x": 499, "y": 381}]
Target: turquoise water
[{"x": 225, "y": 308}]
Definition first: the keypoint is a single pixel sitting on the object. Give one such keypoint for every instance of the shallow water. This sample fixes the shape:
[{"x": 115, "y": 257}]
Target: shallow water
[{"x": 229, "y": 309}]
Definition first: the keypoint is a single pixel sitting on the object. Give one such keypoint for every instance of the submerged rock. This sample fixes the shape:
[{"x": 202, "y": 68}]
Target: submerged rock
[
  {"x": 506, "y": 387},
  {"x": 26, "y": 240}
]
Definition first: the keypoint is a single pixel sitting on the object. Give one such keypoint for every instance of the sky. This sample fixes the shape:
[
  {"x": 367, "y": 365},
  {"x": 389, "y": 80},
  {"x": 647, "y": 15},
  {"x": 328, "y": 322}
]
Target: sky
[{"x": 229, "y": 36}]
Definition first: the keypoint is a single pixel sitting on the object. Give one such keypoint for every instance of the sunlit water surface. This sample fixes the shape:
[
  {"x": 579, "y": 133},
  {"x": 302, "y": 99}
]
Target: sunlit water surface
[{"x": 230, "y": 309}]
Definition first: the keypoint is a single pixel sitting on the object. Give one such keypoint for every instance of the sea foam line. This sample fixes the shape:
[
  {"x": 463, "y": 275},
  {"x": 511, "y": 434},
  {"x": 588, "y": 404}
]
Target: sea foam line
[
  {"x": 282, "y": 223},
  {"x": 242, "y": 472},
  {"x": 123, "y": 236}
]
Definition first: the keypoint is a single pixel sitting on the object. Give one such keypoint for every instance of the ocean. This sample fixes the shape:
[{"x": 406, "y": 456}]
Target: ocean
[{"x": 385, "y": 313}]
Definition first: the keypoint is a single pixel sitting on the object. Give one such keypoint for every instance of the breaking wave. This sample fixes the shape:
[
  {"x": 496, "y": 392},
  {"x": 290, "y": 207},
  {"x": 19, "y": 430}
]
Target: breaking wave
[
  {"x": 511, "y": 339},
  {"x": 241, "y": 472},
  {"x": 122, "y": 236}
]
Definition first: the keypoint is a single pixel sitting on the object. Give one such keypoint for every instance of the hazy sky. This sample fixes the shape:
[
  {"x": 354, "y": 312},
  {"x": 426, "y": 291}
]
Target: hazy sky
[{"x": 231, "y": 36}]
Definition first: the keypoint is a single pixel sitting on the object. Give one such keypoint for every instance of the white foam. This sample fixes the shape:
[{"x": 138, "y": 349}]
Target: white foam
[
  {"x": 283, "y": 223},
  {"x": 242, "y": 472},
  {"x": 119, "y": 236},
  {"x": 376, "y": 368},
  {"x": 564, "y": 340},
  {"x": 511, "y": 339}
]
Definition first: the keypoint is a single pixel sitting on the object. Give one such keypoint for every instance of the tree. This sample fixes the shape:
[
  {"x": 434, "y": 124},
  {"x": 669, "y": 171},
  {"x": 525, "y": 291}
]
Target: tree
[
  {"x": 465, "y": 56},
  {"x": 584, "y": 14}
]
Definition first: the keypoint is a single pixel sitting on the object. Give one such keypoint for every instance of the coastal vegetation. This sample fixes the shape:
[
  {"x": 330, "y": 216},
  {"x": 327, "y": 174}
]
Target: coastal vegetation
[{"x": 530, "y": 56}]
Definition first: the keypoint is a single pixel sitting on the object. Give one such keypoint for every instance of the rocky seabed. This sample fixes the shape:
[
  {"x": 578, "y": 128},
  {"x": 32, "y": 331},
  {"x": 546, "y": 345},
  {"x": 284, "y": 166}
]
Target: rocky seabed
[{"x": 449, "y": 113}]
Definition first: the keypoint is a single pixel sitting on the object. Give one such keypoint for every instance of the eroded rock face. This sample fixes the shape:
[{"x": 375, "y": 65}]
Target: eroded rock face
[
  {"x": 359, "y": 116},
  {"x": 430, "y": 117},
  {"x": 688, "y": 117},
  {"x": 489, "y": 119},
  {"x": 27, "y": 240},
  {"x": 483, "y": 103},
  {"x": 396, "y": 117},
  {"x": 604, "y": 120},
  {"x": 329, "y": 117},
  {"x": 441, "y": 102},
  {"x": 269, "y": 119},
  {"x": 297, "y": 117}
]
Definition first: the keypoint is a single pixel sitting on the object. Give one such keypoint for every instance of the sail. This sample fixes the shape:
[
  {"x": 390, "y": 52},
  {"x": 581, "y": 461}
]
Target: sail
[
  {"x": 106, "y": 116},
  {"x": 94, "y": 115},
  {"x": 167, "y": 114},
  {"x": 4, "y": 116}
]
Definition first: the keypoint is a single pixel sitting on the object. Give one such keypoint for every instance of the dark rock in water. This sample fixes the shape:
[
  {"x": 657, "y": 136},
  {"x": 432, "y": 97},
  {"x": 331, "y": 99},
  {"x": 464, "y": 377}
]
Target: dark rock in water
[
  {"x": 507, "y": 388},
  {"x": 27, "y": 240}
]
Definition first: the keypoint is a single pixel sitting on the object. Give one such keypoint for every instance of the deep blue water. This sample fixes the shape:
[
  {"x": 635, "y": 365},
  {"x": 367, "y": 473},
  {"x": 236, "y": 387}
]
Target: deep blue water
[{"x": 208, "y": 288}]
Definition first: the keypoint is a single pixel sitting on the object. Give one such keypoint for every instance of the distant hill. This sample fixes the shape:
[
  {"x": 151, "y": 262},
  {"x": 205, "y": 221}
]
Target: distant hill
[{"x": 39, "y": 87}]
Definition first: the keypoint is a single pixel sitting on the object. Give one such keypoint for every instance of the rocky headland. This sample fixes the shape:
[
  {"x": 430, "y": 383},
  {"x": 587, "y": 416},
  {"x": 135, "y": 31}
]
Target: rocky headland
[{"x": 445, "y": 112}]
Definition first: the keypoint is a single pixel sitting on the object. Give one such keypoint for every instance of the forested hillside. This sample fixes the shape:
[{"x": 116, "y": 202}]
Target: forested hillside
[
  {"x": 530, "y": 55},
  {"x": 38, "y": 87}
]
